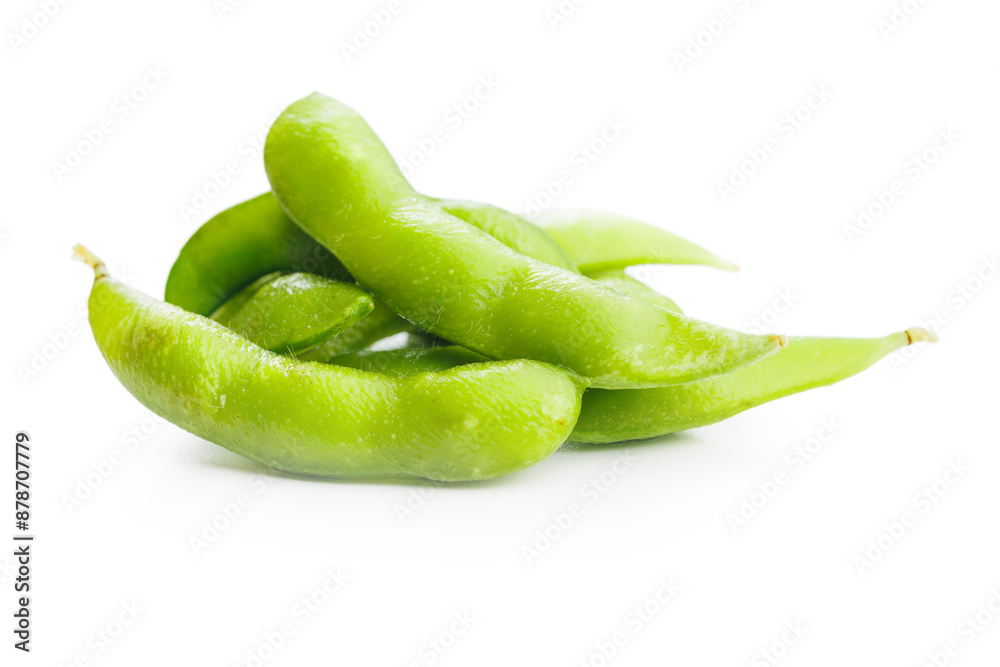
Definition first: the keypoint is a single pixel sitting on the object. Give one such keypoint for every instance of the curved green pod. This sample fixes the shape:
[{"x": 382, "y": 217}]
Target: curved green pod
[
  {"x": 599, "y": 241},
  {"x": 631, "y": 414},
  {"x": 462, "y": 284},
  {"x": 237, "y": 247},
  {"x": 382, "y": 323},
  {"x": 807, "y": 363},
  {"x": 256, "y": 238},
  {"x": 294, "y": 312},
  {"x": 469, "y": 423},
  {"x": 236, "y": 239}
]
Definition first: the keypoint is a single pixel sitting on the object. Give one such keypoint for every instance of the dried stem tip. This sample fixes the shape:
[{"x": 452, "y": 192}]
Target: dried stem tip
[
  {"x": 920, "y": 335},
  {"x": 80, "y": 253},
  {"x": 780, "y": 339}
]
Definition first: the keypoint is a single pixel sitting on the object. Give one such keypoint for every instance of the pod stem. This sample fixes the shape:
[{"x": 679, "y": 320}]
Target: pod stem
[
  {"x": 920, "y": 335},
  {"x": 80, "y": 253}
]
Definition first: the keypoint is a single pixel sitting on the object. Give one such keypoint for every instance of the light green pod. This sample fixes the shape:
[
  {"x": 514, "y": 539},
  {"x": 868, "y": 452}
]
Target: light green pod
[
  {"x": 294, "y": 312},
  {"x": 631, "y": 414},
  {"x": 242, "y": 244},
  {"x": 237, "y": 247},
  {"x": 335, "y": 178},
  {"x": 469, "y": 423},
  {"x": 599, "y": 241},
  {"x": 807, "y": 363},
  {"x": 383, "y": 323},
  {"x": 256, "y": 238}
]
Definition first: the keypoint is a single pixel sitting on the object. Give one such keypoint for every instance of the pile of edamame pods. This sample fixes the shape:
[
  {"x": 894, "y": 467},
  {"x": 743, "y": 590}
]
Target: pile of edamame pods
[{"x": 522, "y": 335}]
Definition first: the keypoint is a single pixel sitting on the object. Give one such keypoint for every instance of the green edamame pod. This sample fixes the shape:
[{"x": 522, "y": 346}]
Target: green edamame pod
[
  {"x": 462, "y": 284},
  {"x": 245, "y": 242},
  {"x": 807, "y": 363},
  {"x": 232, "y": 248},
  {"x": 294, "y": 312},
  {"x": 468, "y": 423},
  {"x": 626, "y": 284},
  {"x": 253, "y": 228},
  {"x": 598, "y": 241},
  {"x": 631, "y": 414},
  {"x": 237, "y": 247},
  {"x": 374, "y": 328},
  {"x": 382, "y": 322}
]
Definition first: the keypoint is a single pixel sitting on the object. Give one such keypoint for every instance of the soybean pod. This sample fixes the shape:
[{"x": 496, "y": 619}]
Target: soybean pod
[
  {"x": 468, "y": 423},
  {"x": 335, "y": 178},
  {"x": 631, "y": 414}
]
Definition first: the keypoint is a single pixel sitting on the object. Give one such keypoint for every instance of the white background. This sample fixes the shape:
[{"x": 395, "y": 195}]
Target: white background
[{"x": 225, "y": 77}]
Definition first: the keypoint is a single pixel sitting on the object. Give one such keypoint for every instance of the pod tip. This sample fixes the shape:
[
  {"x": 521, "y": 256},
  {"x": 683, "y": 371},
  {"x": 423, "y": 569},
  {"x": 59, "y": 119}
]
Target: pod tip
[
  {"x": 726, "y": 265},
  {"x": 920, "y": 335},
  {"x": 80, "y": 253},
  {"x": 780, "y": 339}
]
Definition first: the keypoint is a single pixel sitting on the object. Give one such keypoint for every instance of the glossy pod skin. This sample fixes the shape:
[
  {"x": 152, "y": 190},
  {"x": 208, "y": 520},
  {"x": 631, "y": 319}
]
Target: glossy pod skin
[
  {"x": 462, "y": 284},
  {"x": 237, "y": 247},
  {"x": 807, "y": 363},
  {"x": 623, "y": 283},
  {"x": 615, "y": 416},
  {"x": 254, "y": 238},
  {"x": 294, "y": 312},
  {"x": 469, "y": 423},
  {"x": 601, "y": 241}
]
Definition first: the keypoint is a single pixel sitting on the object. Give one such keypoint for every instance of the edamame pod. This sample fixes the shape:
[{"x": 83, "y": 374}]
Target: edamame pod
[
  {"x": 237, "y": 247},
  {"x": 468, "y": 423},
  {"x": 383, "y": 323},
  {"x": 807, "y": 363},
  {"x": 598, "y": 241},
  {"x": 633, "y": 414},
  {"x": 253, "y": 239},
  {"x": 294, "y": 312},
  {"x": 256, "y": 238},
  {"x": 462, "y": 284}
]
